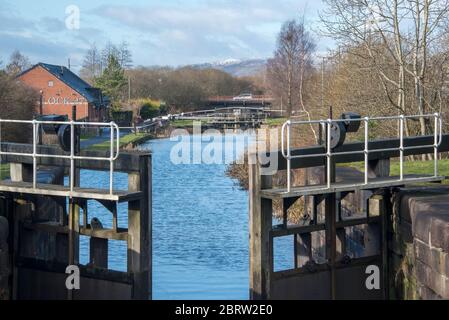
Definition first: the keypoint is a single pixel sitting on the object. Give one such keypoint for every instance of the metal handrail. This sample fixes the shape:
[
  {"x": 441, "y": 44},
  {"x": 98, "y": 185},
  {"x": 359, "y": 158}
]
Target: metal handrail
[
  {"x": 286, "y": 150},
  {"x": 114, "y": 147}
]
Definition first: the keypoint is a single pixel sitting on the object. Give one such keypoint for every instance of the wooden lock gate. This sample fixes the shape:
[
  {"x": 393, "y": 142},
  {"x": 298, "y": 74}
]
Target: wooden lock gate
[{"x": 331, "y": 273}]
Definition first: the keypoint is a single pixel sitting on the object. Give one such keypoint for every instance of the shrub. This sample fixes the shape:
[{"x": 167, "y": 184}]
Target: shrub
[
  {"x": 149, "y": 109},
  {"x": 18, "y": 102}
]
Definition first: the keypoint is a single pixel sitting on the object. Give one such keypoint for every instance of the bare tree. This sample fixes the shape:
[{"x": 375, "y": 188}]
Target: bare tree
[
  {"x": 292, "y": 59},
  {"x": 95, "y": 60},
  {"x": 91, "y": 64},
  {"x": 306, "y": 48},
  {"x": 383, "y": 29},
  {"x": 286, "y": 59},
  {"x": 109, "y": 50},
  {"x": 429, "y": 18},
  {"x": 120, "y": 52},
  {"x": 17, "y": 63},
  {"x": 125, "y": 55}
]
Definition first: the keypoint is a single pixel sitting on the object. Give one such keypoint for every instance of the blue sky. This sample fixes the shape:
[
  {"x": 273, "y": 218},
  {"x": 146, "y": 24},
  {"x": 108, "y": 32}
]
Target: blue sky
[{"x": 159, "y": 32}]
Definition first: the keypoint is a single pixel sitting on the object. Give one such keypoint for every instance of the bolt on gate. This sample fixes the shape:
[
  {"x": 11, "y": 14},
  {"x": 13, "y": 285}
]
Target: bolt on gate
[{"x": 324, "y": 267}]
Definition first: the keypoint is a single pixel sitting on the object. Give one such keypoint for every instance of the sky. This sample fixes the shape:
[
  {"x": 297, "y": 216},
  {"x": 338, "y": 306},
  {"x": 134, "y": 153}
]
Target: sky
[{"x": 159, "y": 32}]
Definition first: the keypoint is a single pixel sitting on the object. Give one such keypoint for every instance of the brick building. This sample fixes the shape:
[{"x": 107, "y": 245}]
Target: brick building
[{"x": 60, "y": 89}]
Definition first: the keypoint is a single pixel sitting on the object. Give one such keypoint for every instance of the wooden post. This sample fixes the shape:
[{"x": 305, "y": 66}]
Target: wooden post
[
  {"x": 331, "y": 243},
  {"x": 18, "y": 172},
  {"x": 140, "y": 230},
  {"x": 379, "y": 168},
  {"x": 303, "y": 249},
  {"x": 98, "y": 248},
  {"x": 21, "y": 172},
  {"x": 98, "y": 256},
  {"x": 378, "y": 206},
  {"x": 341, "y": 243},
  {"x": 340, "y": 232},
  {"x": 386, "y": 215},
  {"x": 4, "y": 259},
  {"x": 261, "y": 246}
]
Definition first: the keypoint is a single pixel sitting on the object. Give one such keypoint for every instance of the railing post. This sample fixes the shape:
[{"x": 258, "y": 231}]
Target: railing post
[
  {"x": 34, "y": 155},
  {"x": 401, "y": 148},
  {"x": 1, "y": 158},
  {"x": 435, "y": 147},
  {"x": 366, "y": 151},
  {"x": 329, "y": 154},
  {"x": 111, "y": 159},
  {"x": 289, "y": 162},
  {"x": 72, "y": 154}
]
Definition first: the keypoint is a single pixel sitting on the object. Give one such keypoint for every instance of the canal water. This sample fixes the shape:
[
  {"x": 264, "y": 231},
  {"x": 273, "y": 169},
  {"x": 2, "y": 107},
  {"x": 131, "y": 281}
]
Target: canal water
[{"x": 200, "y": 222}]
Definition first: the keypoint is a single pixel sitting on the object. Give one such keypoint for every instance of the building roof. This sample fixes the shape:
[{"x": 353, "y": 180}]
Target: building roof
[{"x": 91, "y": 94}]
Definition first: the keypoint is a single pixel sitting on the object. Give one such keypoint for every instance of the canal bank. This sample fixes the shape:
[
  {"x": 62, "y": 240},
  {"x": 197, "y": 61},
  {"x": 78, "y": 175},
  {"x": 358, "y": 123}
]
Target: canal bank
[{"x": 127, "y": 142}]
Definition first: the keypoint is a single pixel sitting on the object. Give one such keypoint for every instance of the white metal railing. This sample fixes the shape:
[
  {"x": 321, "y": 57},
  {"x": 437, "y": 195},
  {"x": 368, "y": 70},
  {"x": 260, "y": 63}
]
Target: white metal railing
[
  {"x": 114, "y": 147},
  {"x": 286, "y": 149}
]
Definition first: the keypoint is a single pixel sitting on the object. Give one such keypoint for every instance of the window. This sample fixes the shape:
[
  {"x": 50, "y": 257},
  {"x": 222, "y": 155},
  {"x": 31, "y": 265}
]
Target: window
[{"x": 50, "y": 83}]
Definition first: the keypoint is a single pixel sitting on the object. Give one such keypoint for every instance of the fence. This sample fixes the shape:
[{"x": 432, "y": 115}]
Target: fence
[
  {"x": 73, "y": 156},
  {"x": 327, "y": 125}
]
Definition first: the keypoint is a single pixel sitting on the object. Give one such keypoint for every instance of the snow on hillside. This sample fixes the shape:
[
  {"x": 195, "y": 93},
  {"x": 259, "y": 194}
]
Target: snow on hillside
[{"x": 236, "y": 67}]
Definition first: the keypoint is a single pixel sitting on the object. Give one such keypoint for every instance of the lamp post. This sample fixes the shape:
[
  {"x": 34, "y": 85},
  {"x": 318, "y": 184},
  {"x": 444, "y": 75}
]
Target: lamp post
[
  {"x": 41, "y": 102},
  {"x": 41, "y": 98}
]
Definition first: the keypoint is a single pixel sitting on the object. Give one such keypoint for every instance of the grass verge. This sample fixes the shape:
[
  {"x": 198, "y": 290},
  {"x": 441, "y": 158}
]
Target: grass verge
[
  {"x": 181, "y": 124},
  {"x": 132, "y": 138},
  {"x": 275, "y": 122},
  {"x": 410, "y": 167}
]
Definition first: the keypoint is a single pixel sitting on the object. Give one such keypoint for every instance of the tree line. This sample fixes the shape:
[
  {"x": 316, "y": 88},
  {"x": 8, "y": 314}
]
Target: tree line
[
  {"x": 181, "y": 89},
  {"x": 186, "y": 88}
]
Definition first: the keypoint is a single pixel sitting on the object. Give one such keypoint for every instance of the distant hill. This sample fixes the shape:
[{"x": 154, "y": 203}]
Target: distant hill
[{"x": 235, "y": 67}]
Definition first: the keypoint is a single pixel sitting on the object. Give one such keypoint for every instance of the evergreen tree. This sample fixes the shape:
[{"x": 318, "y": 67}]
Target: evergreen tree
[{"x": 112, "y": 81}]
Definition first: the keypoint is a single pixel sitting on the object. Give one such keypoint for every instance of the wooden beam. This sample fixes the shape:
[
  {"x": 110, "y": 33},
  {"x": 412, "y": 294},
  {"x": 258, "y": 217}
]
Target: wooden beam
[
  {"x": 64, "y": 191},
  {"x": 376, "y": 183},
  {"x": 357, "y": 146},
  {"x": 85, "y": 271},
  {"x": 282, "y": 232},
  {"x": 126, "y": 162},
  {"x": 303, "y": 249},
  {"x": 326, "y": 267},
  {"x": 121, "y": 234}
]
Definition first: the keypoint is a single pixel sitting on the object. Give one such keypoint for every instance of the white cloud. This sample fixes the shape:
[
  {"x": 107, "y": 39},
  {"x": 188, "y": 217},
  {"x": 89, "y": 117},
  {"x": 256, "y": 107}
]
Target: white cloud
[
  {"x": 172, "y": 32},
  {"x": 206, "y": 30}
]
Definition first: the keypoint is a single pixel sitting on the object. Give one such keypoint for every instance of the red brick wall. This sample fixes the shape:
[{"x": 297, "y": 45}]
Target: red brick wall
[{"x": 58, "y": 99}]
